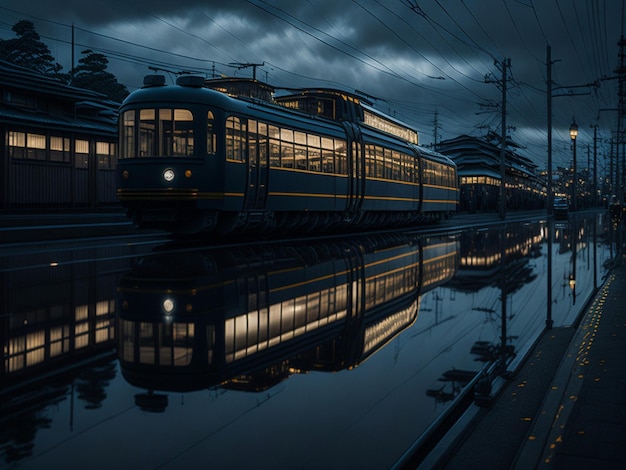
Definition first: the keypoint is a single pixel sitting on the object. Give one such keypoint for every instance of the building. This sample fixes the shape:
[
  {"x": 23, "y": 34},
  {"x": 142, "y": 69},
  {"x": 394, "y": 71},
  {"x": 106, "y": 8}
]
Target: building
[
  {"x": 478, "y": 166},
  {"x": 58, "y": 143}
]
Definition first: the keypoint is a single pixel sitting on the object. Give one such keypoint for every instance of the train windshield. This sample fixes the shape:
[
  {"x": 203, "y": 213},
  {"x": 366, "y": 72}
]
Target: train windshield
[{"x": 161, "y": 132}]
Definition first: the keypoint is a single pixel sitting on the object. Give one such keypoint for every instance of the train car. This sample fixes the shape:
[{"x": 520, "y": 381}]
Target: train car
[{"x": 227, "y": 156}]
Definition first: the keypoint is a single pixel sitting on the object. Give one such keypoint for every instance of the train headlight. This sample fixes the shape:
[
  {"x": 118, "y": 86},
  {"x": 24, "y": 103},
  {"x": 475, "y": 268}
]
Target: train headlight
[
  {"x": 168, "y": 174},
  {"x": 125, "y": 174},
  {"x": 168, "y": 306}
]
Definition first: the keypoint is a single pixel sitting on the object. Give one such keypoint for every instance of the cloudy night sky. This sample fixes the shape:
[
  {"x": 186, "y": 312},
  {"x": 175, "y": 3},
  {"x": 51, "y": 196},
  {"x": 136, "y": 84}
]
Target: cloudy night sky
[{"x": 421, "y": 59}]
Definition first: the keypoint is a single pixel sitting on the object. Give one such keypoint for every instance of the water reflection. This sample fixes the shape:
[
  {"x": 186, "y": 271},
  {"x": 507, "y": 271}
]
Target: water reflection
[
  {"x": 58, "y": 335},
  {"x": 248, "y": 318},
  {"x": 406, "y": 323}
]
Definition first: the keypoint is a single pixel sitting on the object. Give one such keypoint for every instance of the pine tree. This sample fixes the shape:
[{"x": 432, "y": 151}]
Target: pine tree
[
  {"x": 27, "y": 50},
  {"x": 91, "y": 73}
]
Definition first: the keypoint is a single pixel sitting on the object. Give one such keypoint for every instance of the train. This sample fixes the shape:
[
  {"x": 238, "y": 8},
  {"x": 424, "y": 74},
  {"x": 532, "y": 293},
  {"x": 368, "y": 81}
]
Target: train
[
  {"x": 231, "y": 156},
  {"x": 249, "y": 316}
]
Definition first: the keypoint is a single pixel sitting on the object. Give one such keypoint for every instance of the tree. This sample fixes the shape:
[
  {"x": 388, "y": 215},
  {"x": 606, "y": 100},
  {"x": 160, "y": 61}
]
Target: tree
[
  {"x": 91, "y": 73},
  {"x": 27, "y": 50}
]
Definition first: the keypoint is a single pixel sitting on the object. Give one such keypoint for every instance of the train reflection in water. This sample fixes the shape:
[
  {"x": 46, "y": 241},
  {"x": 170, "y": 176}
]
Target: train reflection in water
[{"x": 249, "y": 317}]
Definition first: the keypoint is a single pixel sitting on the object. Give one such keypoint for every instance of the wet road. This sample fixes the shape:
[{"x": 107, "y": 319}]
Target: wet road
[{"x": 140, "y": 353}]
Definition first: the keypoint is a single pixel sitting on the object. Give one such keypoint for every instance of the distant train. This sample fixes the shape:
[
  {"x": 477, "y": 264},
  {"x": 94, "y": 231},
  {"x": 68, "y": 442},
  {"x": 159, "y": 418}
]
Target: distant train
[{"x": 228, "y": 156}]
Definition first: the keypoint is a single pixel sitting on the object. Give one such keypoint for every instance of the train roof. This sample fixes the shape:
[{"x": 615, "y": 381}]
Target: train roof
[
  {"x": 434, "y": 155},
  {"x": 187, "y": 88},
  {"x": 365, "y": 112},
  {"x": 357, "y": 106},
  {"x": 242, "y": 87}
]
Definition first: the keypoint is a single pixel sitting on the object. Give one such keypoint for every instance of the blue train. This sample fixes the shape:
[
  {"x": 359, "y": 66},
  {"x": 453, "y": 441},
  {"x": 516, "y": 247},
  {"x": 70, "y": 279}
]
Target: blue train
[{"x": 228, "y": 156}]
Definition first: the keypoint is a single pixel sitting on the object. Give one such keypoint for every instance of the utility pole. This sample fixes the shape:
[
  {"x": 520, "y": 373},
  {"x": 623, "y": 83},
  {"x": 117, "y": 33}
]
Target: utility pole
[
  {"x": 549, "y": 64},
  {"x": 621, "y": 113},
  {"x": 506, "y": 63},
  {"x": 587, "y": 189},
  {"x": 502, "y": 67},
  {"x": 594, "y": 199},
  {"x": 436, "y": 130},
  {"x": 73, "y": 64}
]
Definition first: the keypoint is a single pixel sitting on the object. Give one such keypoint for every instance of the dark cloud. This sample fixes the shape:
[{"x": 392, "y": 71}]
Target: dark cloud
[{"x": 419, "y": 57}]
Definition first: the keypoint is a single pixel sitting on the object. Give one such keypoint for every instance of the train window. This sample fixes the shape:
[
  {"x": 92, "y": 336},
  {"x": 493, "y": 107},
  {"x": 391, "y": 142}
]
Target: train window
[
  {"x": 370, "y": 160},
  {"x": 253, "y": 140},
  {"x": 262, "y": 135},
  {"x": 397, "y": 165},
  {"x": 286, "y": 148},
  {"x": 235, "y": 136},
  {"x": 300, "y": 150},
  {"x": 406, "y": 168},
  {"x": 378, "y": 162},
  {"x": 430, "y": 175},
  {"x": 127, "y": 141},
  {"x": 210, "y": 134},
  {"x": 147, "y": 129},
  {"x": 274, "y": 140},
  {"x": 388, "y": 164},
  {"x": 328, "y": 155},
  {"x": 315, "y": 154},
  {"x": 341, "y": 156},
  {"x": 326, "y": 108},
  {"x": 175, "y": 132}
]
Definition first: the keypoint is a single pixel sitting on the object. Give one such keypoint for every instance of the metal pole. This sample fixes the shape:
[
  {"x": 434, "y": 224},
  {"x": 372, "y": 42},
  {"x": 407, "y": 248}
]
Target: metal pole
[
  {"x": 574, "y": 177},
  {"x": 549, "y": 321},
  {"x": 594, "y": 199},
  {"x": 550, "y": 200},
  {"x": 505, "y": 63}
]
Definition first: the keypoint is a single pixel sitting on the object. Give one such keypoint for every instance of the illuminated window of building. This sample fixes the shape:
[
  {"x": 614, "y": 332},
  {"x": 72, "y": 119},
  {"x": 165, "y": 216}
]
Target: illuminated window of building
[
  {"x": 105, "y": 153},
  {"x": 81, "y": 335},
  {"x": 35, "y": 146},
  {"x": 81, "y": 153},
  {"x": 17, "y": 144},
  {"x": 59, "y": 149},
  {"x": 105, "y": 307},
  {"x": 81, "y": 312}
]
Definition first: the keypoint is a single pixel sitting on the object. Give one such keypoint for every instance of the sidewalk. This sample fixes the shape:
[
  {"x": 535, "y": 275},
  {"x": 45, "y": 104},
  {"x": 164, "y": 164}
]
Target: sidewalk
[
  {"x": 565, "y": 407},
  {"x": 582, "y": 421},
  {"x": 33, "y": 227}
]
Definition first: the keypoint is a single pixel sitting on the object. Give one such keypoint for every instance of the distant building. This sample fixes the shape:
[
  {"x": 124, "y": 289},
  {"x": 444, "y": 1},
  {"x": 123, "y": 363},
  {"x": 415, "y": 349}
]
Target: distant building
[
  {"x": 478, "y": 166},
  {"x": 58, "y": 146}
]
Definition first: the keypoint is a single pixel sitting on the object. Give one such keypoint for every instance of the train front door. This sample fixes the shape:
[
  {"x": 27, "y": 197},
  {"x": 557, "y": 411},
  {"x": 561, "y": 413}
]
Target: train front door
[{"x": 258, "y": 171}]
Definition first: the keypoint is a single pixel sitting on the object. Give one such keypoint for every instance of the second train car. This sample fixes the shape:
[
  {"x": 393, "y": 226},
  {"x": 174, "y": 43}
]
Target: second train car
[{"x": 228, "y": 156}]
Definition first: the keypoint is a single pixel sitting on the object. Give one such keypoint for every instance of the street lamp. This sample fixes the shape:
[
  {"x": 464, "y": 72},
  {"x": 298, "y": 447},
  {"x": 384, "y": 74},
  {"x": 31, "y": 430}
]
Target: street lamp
[{"x": 573, "y": 133}]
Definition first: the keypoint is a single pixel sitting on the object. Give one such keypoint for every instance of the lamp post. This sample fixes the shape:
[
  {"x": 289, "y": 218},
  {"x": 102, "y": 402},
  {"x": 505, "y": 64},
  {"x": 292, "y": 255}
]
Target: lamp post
[{"x": 573, "y": 133}]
